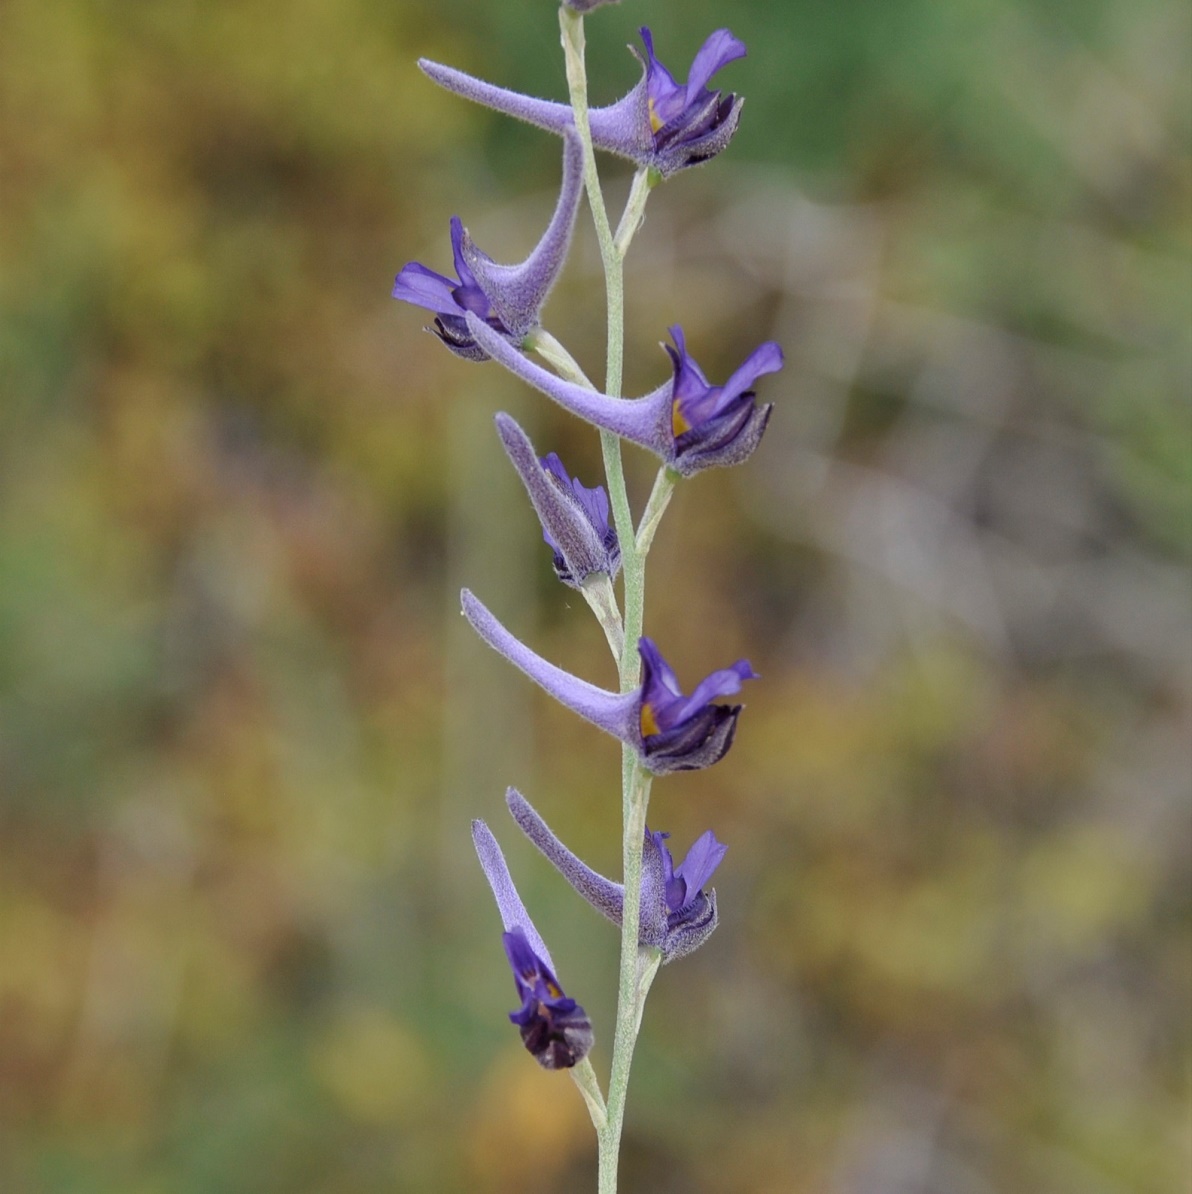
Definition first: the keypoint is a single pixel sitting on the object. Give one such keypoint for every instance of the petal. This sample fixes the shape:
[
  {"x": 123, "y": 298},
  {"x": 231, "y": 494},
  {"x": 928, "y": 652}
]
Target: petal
[
  {"x": 724, "y": 682},
  {"x": 705, "y": 855},
  {"x": 658, "y": 673},
  {"x": 424, "y": 288},
  {"x": 719, "y": 50},
  {"x": 725, "y": 452},
  {"x": 766, "y": 358},
  {"x": 458, "y": 235},
  {"x": 697, "y": 743},
  {"x": 689, "y": 929},
  {"x": 695, "y": 151}
]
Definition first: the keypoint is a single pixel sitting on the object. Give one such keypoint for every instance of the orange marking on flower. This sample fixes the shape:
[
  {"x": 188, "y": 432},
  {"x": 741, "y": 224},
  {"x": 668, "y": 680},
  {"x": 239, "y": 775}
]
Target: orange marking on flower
[
  {"x": 649, "y": 723},
  {"x": 655, "y": 122},
  {"x": 679, "y": 423}
]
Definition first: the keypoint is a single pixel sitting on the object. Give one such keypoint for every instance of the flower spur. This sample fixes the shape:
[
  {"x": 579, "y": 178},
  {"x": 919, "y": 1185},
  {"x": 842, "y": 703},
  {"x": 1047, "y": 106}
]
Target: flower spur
[
  {"x": 661, "y": 125},
  {"x": 687, "y": 422},
  {"x": 507, "y": 298},
  {"x": 677, "y": 916},
  {"x": 670, "y": 731}
]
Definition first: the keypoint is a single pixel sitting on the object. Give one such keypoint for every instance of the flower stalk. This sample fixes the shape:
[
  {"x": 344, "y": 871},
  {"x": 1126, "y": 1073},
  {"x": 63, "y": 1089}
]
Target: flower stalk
[
  {"x": 491, "y": 313},
  {"x": 635, "y": 782}
]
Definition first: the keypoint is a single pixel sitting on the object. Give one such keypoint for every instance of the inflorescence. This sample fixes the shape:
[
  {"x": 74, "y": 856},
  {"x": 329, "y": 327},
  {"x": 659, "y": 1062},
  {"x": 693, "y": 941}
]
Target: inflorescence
[{"x": 492, "y": 312}]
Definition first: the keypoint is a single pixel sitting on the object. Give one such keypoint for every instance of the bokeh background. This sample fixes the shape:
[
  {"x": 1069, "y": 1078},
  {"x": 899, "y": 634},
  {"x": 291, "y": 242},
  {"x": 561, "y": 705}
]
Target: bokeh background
[{"x": 244, "y": 945}]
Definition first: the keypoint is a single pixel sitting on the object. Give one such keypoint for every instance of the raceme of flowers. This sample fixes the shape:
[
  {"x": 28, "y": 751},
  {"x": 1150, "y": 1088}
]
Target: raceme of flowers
[{"x": 493, "y": 313}]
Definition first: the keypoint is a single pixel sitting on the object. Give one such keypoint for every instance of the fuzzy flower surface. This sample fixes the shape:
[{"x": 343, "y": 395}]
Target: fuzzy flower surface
[
  {"x": 554, "y": 1028},
  {"x": 575, "y": 519},
  {"x": 670, "y": 731},
  {"x": 508, "y": 299},
  {"x": 677, "y": 916},
  {"x": 688, "y": 423},
  {"x": 661, "y": 124}
]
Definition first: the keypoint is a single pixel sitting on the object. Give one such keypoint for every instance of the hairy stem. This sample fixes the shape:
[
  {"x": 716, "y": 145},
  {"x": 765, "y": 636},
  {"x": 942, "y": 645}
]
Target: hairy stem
[
  {"x": 630, "y": 992},
  {"x": 635, "y": 782}
]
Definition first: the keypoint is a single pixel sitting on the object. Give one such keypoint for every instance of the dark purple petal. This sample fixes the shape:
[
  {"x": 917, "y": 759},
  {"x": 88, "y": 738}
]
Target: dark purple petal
[
  {"x": 729, "y": 441},
  {"x": 681, "y": 733},
  {"x": 698, "y": 743},
  {"x": 689, "y": 929},
  {"x": 554, "y": 1028},
  {"x": 716, "y": 425}
]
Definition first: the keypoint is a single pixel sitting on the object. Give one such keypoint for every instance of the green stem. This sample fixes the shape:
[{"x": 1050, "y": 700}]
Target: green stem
[
  {"x": 632, "y": 985},
  {"x": 630, "y": 989},
  {"x": 571, "y": 26}
]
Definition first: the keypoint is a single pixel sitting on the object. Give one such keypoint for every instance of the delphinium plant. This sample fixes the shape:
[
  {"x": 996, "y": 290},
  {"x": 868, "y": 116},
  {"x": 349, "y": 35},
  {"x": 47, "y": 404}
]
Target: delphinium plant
[{"x": 492, "y": 312}]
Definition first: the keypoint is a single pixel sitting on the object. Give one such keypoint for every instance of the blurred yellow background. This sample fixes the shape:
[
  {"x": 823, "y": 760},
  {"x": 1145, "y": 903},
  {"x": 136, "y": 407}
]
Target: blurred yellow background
[{"x": 244, "y": 944}]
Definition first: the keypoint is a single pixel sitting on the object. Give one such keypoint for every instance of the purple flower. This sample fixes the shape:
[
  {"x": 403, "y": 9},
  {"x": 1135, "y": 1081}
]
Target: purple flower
[
  {"x": 587, "y": 5},
  {"x": 507, "y": 298},
  {"x": 554, "y": 1028},
  {"x": 677, "y": 915},
  {"x": 669, "y": 731},
  {"x": 687, "y": 422},
  {"x": 660, "y": 124},
  {"x": 574, "y": 519}
]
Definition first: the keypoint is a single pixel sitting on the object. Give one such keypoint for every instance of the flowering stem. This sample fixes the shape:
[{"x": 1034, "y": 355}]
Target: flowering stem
[
  {"x": 634, "y": 980},
  {"x": 631, "y": 990},
  {"x": 571, "y": 26}
]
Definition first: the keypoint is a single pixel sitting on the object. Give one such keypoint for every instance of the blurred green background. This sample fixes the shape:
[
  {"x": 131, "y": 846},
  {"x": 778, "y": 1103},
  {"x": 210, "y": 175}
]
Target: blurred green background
[{"x": 244, "y": 945}]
